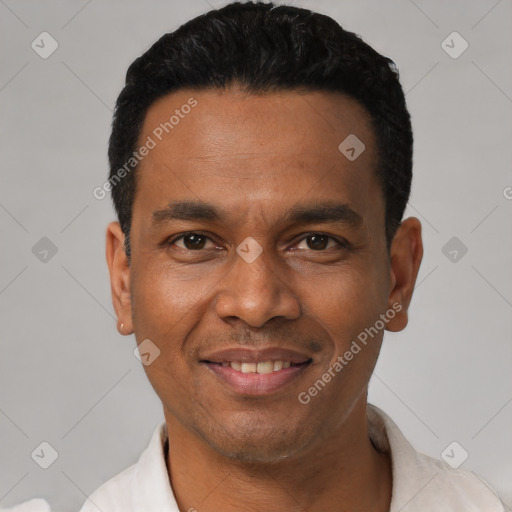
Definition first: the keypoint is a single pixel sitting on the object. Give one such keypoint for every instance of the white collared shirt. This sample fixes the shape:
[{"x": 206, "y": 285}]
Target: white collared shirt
[
  {"x": 420, "y": 483},
  {"x": 33, "y": 505}
]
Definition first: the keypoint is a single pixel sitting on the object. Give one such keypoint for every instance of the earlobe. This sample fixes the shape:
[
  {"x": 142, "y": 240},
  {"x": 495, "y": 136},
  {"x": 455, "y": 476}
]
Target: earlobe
[
  {"x": 119, "y": 270},
  {"x": 405, "y": 255}
]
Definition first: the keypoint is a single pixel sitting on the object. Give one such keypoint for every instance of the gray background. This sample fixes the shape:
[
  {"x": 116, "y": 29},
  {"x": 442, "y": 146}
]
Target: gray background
[{"x": 67, "y": 377}]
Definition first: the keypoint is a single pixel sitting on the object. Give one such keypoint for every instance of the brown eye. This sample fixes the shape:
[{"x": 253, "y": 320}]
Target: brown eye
[
  {"x": 194, "y": 241},
  {"x": 191, "y": 241},
  {"x": 317, "y": 242},
  {"x": 320, "y": 242}
]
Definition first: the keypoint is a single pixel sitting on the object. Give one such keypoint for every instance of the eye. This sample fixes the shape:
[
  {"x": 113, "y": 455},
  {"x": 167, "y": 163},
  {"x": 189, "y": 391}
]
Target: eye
[
  {"x": 197, "y": 241},
  {"x": 192, "y": 241},
  {"x": 320, "y": 242}
]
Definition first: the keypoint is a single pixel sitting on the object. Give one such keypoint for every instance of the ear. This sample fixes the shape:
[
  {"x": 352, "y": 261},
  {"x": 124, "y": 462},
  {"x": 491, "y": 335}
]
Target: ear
[
  {"x": 406, "y": 254},
  {"x": 119, "y": 269}
]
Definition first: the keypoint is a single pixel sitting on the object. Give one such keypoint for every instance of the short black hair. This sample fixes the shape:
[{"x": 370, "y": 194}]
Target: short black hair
[{"x": 264, "y": 48}]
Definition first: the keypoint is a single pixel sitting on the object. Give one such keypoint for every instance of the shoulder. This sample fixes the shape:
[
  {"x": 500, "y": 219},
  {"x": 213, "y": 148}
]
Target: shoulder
[
  {"x": 143, "y": 486},
  {"x": 33, "y": 505},
  {"x": 113, "y": 495},
  {"x": 451, "y": 489},
  {"x": 421, "y": 482}
]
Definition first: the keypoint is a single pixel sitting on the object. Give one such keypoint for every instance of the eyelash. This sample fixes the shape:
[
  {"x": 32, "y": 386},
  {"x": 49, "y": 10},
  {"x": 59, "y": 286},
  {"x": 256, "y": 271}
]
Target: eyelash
[{"x": 170, "y": 241}]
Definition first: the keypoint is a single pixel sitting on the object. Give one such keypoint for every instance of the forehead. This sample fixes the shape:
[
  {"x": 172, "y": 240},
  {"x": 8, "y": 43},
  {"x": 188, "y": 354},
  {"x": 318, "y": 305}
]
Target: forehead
[{"x": 256, "y": 151}]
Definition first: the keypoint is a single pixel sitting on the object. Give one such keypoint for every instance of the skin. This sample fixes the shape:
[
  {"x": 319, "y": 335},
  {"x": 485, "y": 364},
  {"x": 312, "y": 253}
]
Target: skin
[{"x": 256, "y": 157}]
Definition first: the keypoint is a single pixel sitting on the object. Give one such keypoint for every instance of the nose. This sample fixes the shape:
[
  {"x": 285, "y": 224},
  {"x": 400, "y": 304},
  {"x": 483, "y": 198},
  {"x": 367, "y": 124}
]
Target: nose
[{"x": 256, "y": 292}]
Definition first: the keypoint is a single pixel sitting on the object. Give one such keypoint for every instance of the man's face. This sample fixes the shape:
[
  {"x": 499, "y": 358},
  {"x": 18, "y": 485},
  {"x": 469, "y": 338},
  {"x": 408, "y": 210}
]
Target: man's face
[{"x": 315, "y": 286}]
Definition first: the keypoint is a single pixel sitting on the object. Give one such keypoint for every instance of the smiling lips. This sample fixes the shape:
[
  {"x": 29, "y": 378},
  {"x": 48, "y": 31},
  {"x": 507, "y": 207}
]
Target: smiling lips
[{"x": 256, "y": 372}]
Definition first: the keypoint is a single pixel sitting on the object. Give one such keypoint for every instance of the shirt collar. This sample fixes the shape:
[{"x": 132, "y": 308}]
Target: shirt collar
[
  {"x": 408, "y": 478},
  {"x": 152, "y": 491}
]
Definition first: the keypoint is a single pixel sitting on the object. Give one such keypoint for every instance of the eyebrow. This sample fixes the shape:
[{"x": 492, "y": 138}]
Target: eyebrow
[{"x": 317, "y": 212}]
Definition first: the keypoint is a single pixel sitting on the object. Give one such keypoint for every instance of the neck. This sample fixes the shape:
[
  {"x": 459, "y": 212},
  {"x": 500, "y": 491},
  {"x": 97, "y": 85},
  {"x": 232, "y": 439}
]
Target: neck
[{"x": 343, "y": 471}]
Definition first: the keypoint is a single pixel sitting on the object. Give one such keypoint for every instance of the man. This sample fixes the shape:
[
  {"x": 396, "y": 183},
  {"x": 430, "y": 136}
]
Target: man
[{"x": 260, "y": 165}]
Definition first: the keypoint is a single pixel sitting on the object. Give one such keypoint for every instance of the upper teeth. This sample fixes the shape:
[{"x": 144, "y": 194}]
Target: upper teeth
[{"x": 263, "y": 367}]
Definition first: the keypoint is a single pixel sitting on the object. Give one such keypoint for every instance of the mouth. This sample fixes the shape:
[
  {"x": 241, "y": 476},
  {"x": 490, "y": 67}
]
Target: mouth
[
  {"x": 257, "y": 372},
  {"x": 261, "y": 367}
]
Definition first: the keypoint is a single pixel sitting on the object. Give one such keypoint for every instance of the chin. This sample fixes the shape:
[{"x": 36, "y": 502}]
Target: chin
[
  {"x": 256, "y": 454},
  {"x": 252, "y": 444}
]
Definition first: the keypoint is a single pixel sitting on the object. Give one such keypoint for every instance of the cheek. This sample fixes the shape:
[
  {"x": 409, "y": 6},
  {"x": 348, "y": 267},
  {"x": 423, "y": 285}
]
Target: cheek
[
  {"x": 165, "y": 309},
  {"x": 168, "y": 304},
  {"x": 347, "y": 300},
  {"x": 166, "y": 300},
  {"x": 348, "y": 305}
]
